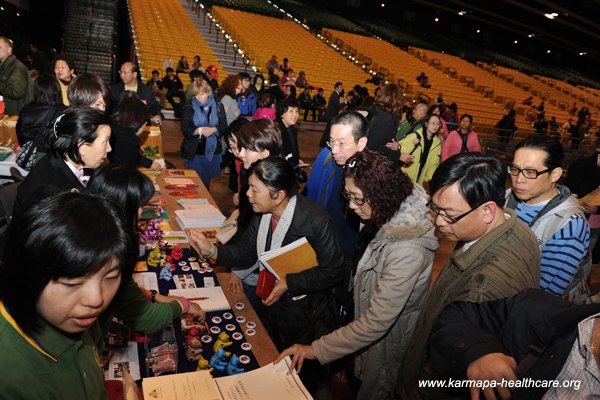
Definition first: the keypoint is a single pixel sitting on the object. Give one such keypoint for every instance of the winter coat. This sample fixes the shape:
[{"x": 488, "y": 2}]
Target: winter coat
[
  {"x": 382, "y": 130},
  {"x": 126, "y": 146},
  {"x": 390, "y": 286},
  {"x": 433, "y": 157},
  {"x": 16, "y": 86},
  {"x": 453, "y": 144}
]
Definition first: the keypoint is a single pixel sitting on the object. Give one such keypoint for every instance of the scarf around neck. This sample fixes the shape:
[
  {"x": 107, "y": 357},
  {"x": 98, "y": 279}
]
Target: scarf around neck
[
  {"x": 280, "y": 231},
  {"x": 205, "y": 114}
]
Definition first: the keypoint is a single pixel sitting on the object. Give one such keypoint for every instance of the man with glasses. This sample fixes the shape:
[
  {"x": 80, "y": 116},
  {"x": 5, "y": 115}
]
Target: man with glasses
[
  {"x": 128, "y": 74},
  {"x": 497, "y": 255},
  {"x": 325, "y": 184},
  {"x": 554, "y": 215}
]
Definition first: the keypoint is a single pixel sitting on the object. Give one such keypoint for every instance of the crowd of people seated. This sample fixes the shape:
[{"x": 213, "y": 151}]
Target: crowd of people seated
[{"x": 392, "y": 180}]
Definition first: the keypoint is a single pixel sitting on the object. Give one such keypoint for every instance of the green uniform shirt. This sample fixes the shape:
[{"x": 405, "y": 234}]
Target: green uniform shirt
[{"x": 51, "y": 365}]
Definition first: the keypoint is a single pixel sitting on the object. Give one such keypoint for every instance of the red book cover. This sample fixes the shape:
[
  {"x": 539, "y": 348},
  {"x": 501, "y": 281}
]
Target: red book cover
[{"x": 266, "y": 282}]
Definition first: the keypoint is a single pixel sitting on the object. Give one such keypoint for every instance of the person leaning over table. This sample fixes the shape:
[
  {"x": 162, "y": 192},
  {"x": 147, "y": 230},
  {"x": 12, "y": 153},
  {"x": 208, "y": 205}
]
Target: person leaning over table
[
  {"x": 78, "y": 142},
  {"x": 66, "y": 270},
  {"x": 254, "y": 141},
  {"x": 393, "y": 265},
  {"x": 128, "y": 123},
  {"x": 129, "y": 189},
  {"x": 283, "y": 217}
]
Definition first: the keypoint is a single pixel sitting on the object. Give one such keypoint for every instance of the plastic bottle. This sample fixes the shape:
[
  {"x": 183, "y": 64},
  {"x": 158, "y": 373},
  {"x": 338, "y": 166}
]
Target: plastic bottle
[{"x": 1, "y": 107}]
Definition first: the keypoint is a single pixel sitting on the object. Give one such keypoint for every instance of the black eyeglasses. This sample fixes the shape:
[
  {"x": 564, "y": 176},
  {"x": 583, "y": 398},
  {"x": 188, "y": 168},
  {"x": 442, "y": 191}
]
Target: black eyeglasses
[
  {"x": 446, "y": 217},
  {"x": 528, "y": 173},
  {"x": 355, "y": 200}
]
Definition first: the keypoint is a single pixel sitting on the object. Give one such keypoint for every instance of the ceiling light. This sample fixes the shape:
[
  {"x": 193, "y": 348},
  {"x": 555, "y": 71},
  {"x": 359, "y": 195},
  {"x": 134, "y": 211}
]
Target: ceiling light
[
  {"x": 436, "y": 19},
  {"x": 583, "y": 53},
  {"x": 516, "y": 41},
  {"x": 551, "y": 15},
  {"x": 548, "y": 52},
  {"x": 382, "y": 5},
  {"x": 478, "y": 30},
  {"x": 462, "y": 13},
  {"x": 531, "y": 35}
]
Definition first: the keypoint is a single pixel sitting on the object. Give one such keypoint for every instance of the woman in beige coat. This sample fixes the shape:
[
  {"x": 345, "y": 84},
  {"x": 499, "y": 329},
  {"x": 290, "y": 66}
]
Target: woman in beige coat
[{"x": 397, "y": 246}]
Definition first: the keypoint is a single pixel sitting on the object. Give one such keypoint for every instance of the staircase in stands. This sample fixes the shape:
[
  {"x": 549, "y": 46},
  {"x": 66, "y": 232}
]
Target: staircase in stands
[{"x": 222, "y": 48}]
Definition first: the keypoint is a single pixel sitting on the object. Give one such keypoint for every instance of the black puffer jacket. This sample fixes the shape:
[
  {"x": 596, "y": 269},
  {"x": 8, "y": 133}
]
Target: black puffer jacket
[
  {"x": 33, "y": 121},
  {"x": 467, "y": 331}
]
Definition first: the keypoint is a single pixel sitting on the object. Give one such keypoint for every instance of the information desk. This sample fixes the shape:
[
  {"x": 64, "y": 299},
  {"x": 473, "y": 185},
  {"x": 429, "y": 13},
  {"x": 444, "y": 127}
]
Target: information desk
[{"x": 262, "y": 347}]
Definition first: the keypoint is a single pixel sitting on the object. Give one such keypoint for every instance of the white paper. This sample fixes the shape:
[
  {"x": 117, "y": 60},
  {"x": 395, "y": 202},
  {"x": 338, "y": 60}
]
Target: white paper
[
  {"x": 184, "y": 281},
  {"x": 197, "y": 385},
  {"x": 184, "y": 202},
  {"x": 124, "y": 358},
  {"x": 179, "y": 181},
  {"x": 212, "y": 298},
  {"x": 147, "y": 280},
  {"x": 269, "y": 382}
]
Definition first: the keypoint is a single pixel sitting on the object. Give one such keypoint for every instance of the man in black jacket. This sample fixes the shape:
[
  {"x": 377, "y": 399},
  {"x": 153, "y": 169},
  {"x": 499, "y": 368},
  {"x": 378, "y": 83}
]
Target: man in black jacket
[
  {"x": 129, "y": 77},
  {"x": 514, "y": 345}
]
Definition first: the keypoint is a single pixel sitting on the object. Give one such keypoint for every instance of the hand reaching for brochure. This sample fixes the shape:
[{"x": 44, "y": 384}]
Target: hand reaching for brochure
[
  {"x": 492, "y": 367},
  {"x": 199, "y": 242},
  {"x": 278, "y": 290},
  {"x": 299, "y": 353}
]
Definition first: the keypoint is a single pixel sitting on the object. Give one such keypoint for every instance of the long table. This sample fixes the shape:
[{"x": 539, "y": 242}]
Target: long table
[{"x": 262, "y": 347}]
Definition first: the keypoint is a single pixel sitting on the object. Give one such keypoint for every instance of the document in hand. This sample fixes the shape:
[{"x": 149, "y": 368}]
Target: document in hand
[
  {"x": 289, "y": 259},
  {"x": 269, "y": 382}
]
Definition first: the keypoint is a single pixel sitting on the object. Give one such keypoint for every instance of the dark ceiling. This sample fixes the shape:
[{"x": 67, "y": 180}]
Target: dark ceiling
[{"x": 502, "y": 22}]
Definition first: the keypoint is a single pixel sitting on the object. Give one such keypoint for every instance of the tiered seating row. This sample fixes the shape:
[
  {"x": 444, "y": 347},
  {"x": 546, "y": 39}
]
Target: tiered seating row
[
  {"x": 260, "y": 37},
  {"x": 406, "y": 67},
  {"x": 164, "y": 31}
]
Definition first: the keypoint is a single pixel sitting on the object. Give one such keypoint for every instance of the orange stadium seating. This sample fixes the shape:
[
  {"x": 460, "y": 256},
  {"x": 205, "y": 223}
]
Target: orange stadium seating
[
  {"x": 164, "y": 31},
  {"x": 260, "y": 37}
]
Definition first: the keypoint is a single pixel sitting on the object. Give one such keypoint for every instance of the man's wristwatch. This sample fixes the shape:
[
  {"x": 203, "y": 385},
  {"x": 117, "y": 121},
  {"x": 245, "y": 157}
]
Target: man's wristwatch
[{"x": 153, "y": 294}]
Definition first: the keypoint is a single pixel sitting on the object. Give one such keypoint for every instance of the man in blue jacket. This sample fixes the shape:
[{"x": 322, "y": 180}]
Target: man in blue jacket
[{"x": 325, "y": 185}]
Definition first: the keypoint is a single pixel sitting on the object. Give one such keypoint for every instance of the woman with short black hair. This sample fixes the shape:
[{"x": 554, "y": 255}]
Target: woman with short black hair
[
  {"x": 128, "y": 122},
  {"x": 66, "y": 270},
  {"x": 78, "y": 142},
  {"x": 300, "y": 308}
]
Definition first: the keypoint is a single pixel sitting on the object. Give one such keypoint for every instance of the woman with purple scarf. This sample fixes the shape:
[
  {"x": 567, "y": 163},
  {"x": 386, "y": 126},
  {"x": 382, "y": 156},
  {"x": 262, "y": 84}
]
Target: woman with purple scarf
[{"x": 202, "y": 124}]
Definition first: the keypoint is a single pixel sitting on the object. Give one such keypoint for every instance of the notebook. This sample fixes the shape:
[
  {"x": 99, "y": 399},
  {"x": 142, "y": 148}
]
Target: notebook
[
  {"x": 213, "y": 298},
  {"x": 205, "y": 217}
]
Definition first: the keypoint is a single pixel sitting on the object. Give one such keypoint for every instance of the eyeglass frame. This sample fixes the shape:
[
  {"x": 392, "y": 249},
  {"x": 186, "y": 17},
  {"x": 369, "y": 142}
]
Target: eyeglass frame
[
  {"x": 451, "y": 220},
  {"x": 354, "y": 200},
  {"x": 538, "y": 173},
  {"x": 339, "y": 145}
]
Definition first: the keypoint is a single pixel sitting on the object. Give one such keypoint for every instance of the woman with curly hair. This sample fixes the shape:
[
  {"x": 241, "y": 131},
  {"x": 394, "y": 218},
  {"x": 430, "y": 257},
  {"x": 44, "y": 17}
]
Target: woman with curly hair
[
  {"x": 384, "y": 117},
  {"x": 230, "y": 88},
  {"x": 395, "y": 257}
]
